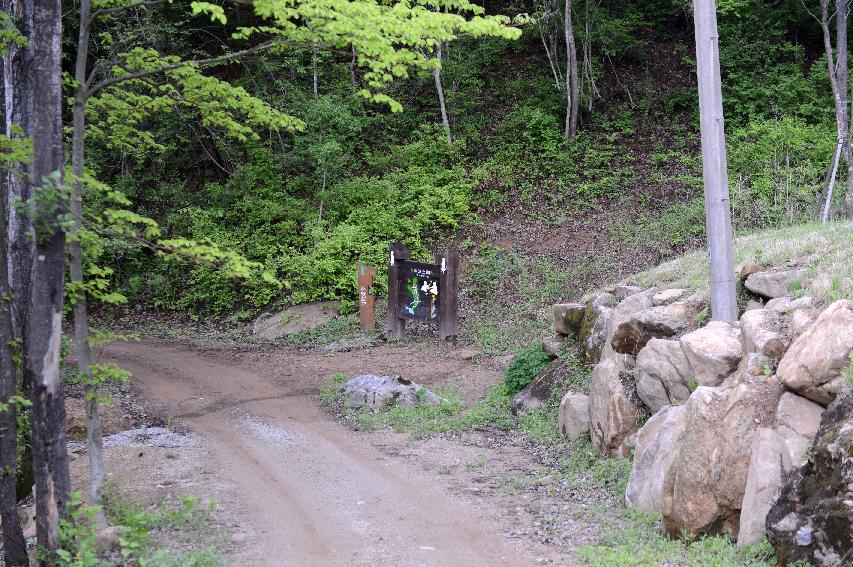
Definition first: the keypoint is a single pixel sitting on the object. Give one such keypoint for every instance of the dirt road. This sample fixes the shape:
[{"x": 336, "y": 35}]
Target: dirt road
[{"x": 312, "y": 491}]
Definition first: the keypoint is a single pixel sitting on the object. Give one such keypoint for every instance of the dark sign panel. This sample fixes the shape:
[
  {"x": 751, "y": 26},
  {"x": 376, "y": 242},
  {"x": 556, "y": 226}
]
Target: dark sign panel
[{"x": 419, "y": 290}]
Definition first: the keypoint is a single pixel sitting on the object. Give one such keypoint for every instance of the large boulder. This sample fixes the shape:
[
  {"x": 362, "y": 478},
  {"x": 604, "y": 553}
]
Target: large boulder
[
  {"x": 704, "y": 488},
  {"x": 797, "y": 422},
  {"x": 812, "y": 366},
  {"x": 379, "y": 392},
  {"x": 811, "y": 521},
  {"x": 663, "y": 374},
  {"x": 568, "y": 318},
  {"x": 553, "y": 345},
  {"x": 768, "y": 462},
  {"x": 296, "y": 319},
  {"x": 625, "y": 291},
  {"x": 593, "y": 333},
  {"x": 656, "y": 322},
  {"x": 773, "y": 284},
  {"x": 573, "y": 416},
  {"x": 535, "y": 394},
  {"x": 612, "y": 413},
  {"x": 789, "y": 305},
  {"x": 713, "y": 352},
  {"x": 656, "y": 447},
  {"x": 764, "y": 331}
]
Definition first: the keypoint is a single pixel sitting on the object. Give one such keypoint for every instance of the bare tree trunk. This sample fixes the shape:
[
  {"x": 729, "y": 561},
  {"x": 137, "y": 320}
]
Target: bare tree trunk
[
  {"x": 572, "y": 83},
  {"x": 44, "y": 318},
  {"x": 838, "y": 89},
  {"x": 436, "y": 73},
  {"x": 314, "y": 69},
  {"x": 14, "y": 546},
  {"x": 18, "y": 100},
  {"x": 718, "y": 222},
  {"x": 94, "y": 441},
  {"x": 352, "y": 65}
]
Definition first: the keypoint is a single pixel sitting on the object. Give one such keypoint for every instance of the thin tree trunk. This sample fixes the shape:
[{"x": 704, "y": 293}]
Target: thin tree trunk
[
  {"x": 352, "y": 65},
  {"x": 436, "y": 73},
  {"x": 14, "y": 546},
  {"x": 314, "y": 69},
  {"x": 572, "y": 83},
  {"x": 841, "y": 15},
  {"x": 94, "y": 441},
  {"x": 835, "y": 74},
  {"x": 44, "y": 318},
  {"x": 18, "y": 100},
  {"x": 714, "y": 167}
]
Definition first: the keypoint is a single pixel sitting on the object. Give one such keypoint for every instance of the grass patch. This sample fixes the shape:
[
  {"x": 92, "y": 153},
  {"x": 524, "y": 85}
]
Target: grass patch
[
  {"x": 165, "y": 535},
  {"x": 826, "y": 251},
  {"x": 640, "y": 543},
  {"x": 339, "y": 328}
]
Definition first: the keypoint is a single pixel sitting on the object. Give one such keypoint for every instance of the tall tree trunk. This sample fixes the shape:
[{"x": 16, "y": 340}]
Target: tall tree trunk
[
  {"x": 436, "y": 73},
  {"x": 315, "y": 89},
  {"x": 14, "y": 546},
  {"x": 18, "y": 101},
  {"x": 573, "y": 95},
  {"x": 94, "y": 440},
  {"x": 43, "y": 328},
  {"x": 718, "y": 221},
  {"x": 838, "y": 88},
  {"x": 352, "y": 65}
]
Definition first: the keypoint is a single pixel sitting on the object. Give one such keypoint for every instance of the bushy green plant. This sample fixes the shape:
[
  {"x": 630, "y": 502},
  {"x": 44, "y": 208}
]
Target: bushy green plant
[{"x": 524, "y": 368}]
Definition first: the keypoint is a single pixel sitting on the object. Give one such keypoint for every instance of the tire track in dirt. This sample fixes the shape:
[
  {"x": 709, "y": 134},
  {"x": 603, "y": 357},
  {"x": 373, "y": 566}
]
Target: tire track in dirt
[{"x": 314, "y": 492}]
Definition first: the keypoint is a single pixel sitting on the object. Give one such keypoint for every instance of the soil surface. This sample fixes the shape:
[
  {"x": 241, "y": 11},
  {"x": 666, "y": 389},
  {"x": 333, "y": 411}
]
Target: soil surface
[{"x": 296, "y": 487}]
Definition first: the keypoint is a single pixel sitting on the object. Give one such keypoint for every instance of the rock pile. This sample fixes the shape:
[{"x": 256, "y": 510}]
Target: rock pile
[{"x": 736, "y": 408}]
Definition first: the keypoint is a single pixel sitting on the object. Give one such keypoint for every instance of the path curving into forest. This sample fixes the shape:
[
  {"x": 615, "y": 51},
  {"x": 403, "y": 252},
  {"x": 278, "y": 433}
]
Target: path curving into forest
[{"x": 315, "y": 492}]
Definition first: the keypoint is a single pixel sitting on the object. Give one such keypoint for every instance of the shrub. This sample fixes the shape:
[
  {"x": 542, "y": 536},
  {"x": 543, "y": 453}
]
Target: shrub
[{"x": 524, "y": 368}]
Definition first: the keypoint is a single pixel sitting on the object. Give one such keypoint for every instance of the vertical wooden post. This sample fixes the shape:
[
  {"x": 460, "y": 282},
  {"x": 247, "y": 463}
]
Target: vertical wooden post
[
  {"x": 396, "y": 326},
  {"x": 366, "y": 300},
  {"x": 718, "y": 222},
  {"x": 448, "y": 300}
]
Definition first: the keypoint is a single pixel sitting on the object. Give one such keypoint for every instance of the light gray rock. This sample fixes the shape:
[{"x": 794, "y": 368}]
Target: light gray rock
[
  {"x": 764, "y": 331},
  {"x": 713, "y": 352},
  {"x": 704, "y": 488},
  {"x": 568, "y": 318},
  {"x": 655, "y": 449},
  {"x": 667, "y": 296},
  {"x": 752, "y": 305},
  {"x": 812, "y": 366},
  {"x": 789, "y": 305},
  {"x": 801, "y": 320},
  {"x": 773, "y": 284},
  {"x": 380, "y": 392},
  {"x": 593, "y": 334},
  {"x": 769, "y": 459},
  {"x": 797, "y": 422},
  {"x": 553, "y": 345},
  {"x": 624, "y": 291},
  {"x": 612, "y": 415},
  {"x": 295, "y": 319},
  {"x": 655, "y": 322},
  {"x": 663, "y": 374},
  {"x": 535, "y": 394},
  {"x": 573, "y": 416}
]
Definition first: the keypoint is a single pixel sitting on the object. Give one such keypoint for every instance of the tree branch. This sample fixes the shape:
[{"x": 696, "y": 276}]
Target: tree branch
[
  {"x": 141, "y": 4},
  {"x": 163, "y": 68}
]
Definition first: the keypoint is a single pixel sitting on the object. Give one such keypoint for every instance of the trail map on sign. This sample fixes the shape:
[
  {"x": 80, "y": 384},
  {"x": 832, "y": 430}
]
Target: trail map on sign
[{"x": 420, "y": 290}]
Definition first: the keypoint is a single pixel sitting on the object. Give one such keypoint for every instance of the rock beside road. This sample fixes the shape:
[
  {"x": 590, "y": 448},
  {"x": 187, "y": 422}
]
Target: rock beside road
[{"x": 381, "y": 392}]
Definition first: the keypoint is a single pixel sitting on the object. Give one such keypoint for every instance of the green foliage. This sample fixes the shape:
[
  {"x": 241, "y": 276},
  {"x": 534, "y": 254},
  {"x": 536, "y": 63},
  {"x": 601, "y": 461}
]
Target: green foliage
[
  {"x": 847, "y": 373},
  {"x": 524, "y": 368},
  {"x": 640, "y": 543}
]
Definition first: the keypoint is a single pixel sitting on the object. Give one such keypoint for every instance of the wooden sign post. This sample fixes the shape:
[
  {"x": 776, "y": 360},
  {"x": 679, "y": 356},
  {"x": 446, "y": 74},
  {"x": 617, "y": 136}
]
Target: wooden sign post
[
  {"x": 423, "y": 292},
  {"x": 366, "y": 300}
]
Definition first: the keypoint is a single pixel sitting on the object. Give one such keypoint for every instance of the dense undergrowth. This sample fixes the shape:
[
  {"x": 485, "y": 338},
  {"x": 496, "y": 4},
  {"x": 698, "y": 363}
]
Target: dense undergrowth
[{"x": 623, "y": 195}]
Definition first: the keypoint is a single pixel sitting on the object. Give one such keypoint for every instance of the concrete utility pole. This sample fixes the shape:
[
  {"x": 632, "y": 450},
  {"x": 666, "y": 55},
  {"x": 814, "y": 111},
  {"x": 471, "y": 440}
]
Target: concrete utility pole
[{"x": 718, "y": 219}]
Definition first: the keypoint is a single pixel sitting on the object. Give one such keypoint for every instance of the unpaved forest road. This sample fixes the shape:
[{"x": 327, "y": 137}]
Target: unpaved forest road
[{"x": 316, "y": 492}]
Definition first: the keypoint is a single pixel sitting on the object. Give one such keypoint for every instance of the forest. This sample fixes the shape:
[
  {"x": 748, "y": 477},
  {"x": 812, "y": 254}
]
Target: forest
[{"x": 201, "y": 164}]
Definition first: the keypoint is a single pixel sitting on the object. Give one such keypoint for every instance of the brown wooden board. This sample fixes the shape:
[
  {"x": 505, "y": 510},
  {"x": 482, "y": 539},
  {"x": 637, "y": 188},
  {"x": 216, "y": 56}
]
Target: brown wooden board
[
  {"x": 396, "y": 326},
  {"x": 419, "y": 291},
  {"x": 366, "y": 299}
]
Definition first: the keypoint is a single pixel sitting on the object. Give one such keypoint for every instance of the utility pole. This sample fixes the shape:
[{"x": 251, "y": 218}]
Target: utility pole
[{"x": 718, "y": 218}]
